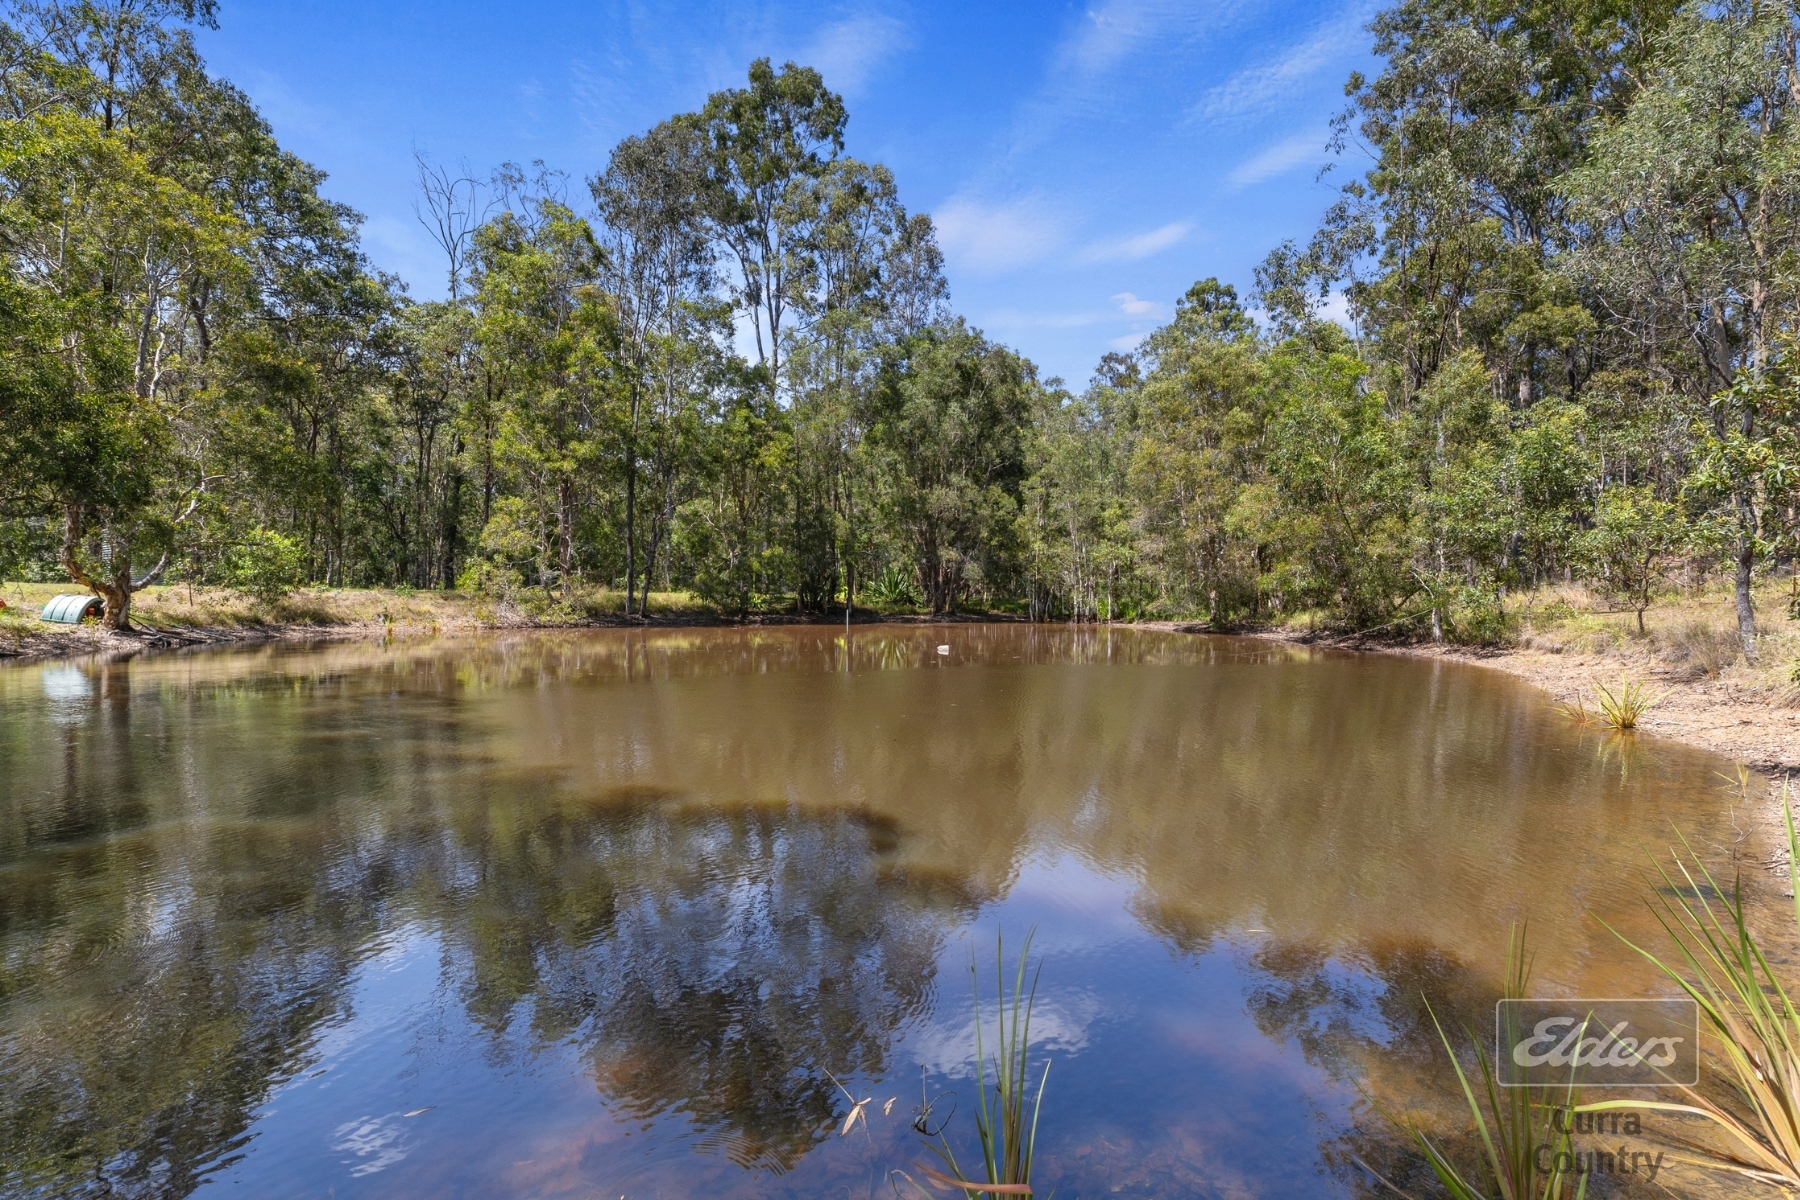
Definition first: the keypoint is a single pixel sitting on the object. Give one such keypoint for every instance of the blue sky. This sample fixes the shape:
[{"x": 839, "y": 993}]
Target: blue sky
[{"x": 1085, "y": 163}]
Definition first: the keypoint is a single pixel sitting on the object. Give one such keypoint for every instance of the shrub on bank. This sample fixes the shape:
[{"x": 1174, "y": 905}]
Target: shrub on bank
[{"x": 265, "y": 564}]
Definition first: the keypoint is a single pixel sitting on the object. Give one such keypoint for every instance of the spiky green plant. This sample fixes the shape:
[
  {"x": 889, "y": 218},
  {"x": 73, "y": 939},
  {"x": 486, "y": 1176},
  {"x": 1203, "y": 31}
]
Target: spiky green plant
[
  {"x": 1623, "y": 708},
  {"x": 1748, "y": 1012},
  {"x": 1511, "y": 1123},
  {"x": 1004, "y": 1122}
]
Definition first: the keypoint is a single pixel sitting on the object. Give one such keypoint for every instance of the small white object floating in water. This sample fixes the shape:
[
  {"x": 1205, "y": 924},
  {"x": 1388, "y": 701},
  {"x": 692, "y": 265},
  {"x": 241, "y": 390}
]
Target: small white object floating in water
[{"x": 943, "y": 649}]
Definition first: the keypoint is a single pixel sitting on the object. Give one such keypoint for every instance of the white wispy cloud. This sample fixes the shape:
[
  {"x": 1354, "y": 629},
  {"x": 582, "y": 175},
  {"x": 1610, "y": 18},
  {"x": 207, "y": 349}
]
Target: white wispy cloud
[
  {"x": 1129, "y": 342},
  {"x": 1271, "y": 85},
  {"x": 1279, "y": 159},
  {"x": 1110, "y": 33},
  {"x": 1136, "y": 246},
  {"x": 1131, "y": 306},
  {"x": 848, "y": 52},
  {"x": 1337, "y": 309},
  {"x": 1113, "y": 50},
  {"x": 530, "y": 95},
  {"x": 991, "y": 238}
]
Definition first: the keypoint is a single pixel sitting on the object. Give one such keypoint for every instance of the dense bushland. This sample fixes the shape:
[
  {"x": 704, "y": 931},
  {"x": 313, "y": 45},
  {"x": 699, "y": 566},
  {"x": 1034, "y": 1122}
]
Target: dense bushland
[{"x": 726, "y": 362}]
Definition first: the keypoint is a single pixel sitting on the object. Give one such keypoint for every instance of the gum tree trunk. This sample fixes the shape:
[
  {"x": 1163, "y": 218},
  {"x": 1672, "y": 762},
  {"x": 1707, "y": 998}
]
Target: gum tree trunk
[{"x": 117, "y": 590}]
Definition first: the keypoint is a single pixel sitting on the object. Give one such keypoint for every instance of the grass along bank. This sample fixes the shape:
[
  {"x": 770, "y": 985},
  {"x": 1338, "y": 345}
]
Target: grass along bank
[
  {"x": 179, "y": 615},
  {"x": 176, "y": 615}
]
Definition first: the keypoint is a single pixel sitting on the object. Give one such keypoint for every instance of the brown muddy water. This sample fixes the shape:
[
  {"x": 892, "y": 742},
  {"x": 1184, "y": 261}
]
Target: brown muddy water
[{"x": 593, "y": 914}]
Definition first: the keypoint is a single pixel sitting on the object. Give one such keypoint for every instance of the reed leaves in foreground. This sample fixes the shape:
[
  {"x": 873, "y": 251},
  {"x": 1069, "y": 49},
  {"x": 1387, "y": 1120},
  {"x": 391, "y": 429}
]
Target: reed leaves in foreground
[
  {"x": 1749, "y": 1013},
  {"x": 1004, "y": 1121},
  {"x": 1512, "y": 1124}
]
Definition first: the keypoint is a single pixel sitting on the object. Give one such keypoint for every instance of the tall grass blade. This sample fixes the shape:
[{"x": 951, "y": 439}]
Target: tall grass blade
[
  {"x": 1008, "y": 1140},
  {"x": 1512, "y": 1124},
  {"x": 1747, "y": 1012}
]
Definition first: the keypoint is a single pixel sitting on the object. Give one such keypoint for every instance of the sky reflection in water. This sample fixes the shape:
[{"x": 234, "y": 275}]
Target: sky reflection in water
[{"x": 594, "y": 914}]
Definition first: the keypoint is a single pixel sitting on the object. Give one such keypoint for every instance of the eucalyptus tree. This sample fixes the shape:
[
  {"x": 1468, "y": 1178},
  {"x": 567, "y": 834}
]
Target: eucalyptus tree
[
  {"x": 852, "y": 217},
  {"x": 295, "y": 367},
  {"x": 545, "y": 316},
  {"x": 1447, "y": 240},
  {"x": 1077, "y": 515},
  {"x": 129, "y": 64},
  {"x": 660, "y": 272},
  {"x": 1337, "y": 509},
  {"x": 914, "y": 294},
  {"x": 730, "y": 534},
  {"x": 764, "y": 145},
  {"x": 1200, "y": 418}
]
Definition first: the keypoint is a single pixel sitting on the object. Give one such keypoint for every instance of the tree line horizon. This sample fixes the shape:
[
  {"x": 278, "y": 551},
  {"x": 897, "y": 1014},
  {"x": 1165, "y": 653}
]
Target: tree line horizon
[{"x": 1570, "y": 270}]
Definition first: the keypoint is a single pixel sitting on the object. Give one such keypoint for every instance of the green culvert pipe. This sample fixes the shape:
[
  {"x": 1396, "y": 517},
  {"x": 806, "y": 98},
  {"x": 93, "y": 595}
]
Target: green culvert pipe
[{"x": 68, "y": 609}]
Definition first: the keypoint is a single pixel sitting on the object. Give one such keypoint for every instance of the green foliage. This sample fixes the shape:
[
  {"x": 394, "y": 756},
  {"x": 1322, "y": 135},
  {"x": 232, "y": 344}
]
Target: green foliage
[
  {"x": 1474, "y": 615},
  {"x": 485, "y": 577},
  {"x": 1633, "y": 537},
  {"x": 950, "y": 426},
  {"x": 1568, "y": 273},
  {"x": 1339, "y": 467},
  {"x": 548, "y": 328},
  {"x": 1749, "y": 1013},
  {"x": 1201, "y": 417},
  {"x": 894, "y": 588},
  {"x": 730, "y": 533},
  {"x": 1075, "y": 518},
  {"x": 28, "y": 552},
  {"x": 264, "y": 564},
  {"x": 1623, "y": 708}
]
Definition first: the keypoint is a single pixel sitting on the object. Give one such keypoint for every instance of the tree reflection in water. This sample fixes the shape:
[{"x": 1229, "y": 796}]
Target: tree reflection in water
[
  {"x": 161, "y": 976},
  {"x": 1361, "y": 1016},
  {"x": 710, "y": 963}
]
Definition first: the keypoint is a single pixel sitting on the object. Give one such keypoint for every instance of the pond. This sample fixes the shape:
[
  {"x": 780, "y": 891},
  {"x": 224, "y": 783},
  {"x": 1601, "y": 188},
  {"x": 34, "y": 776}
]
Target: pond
[{"x": 604, "y": 913}]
